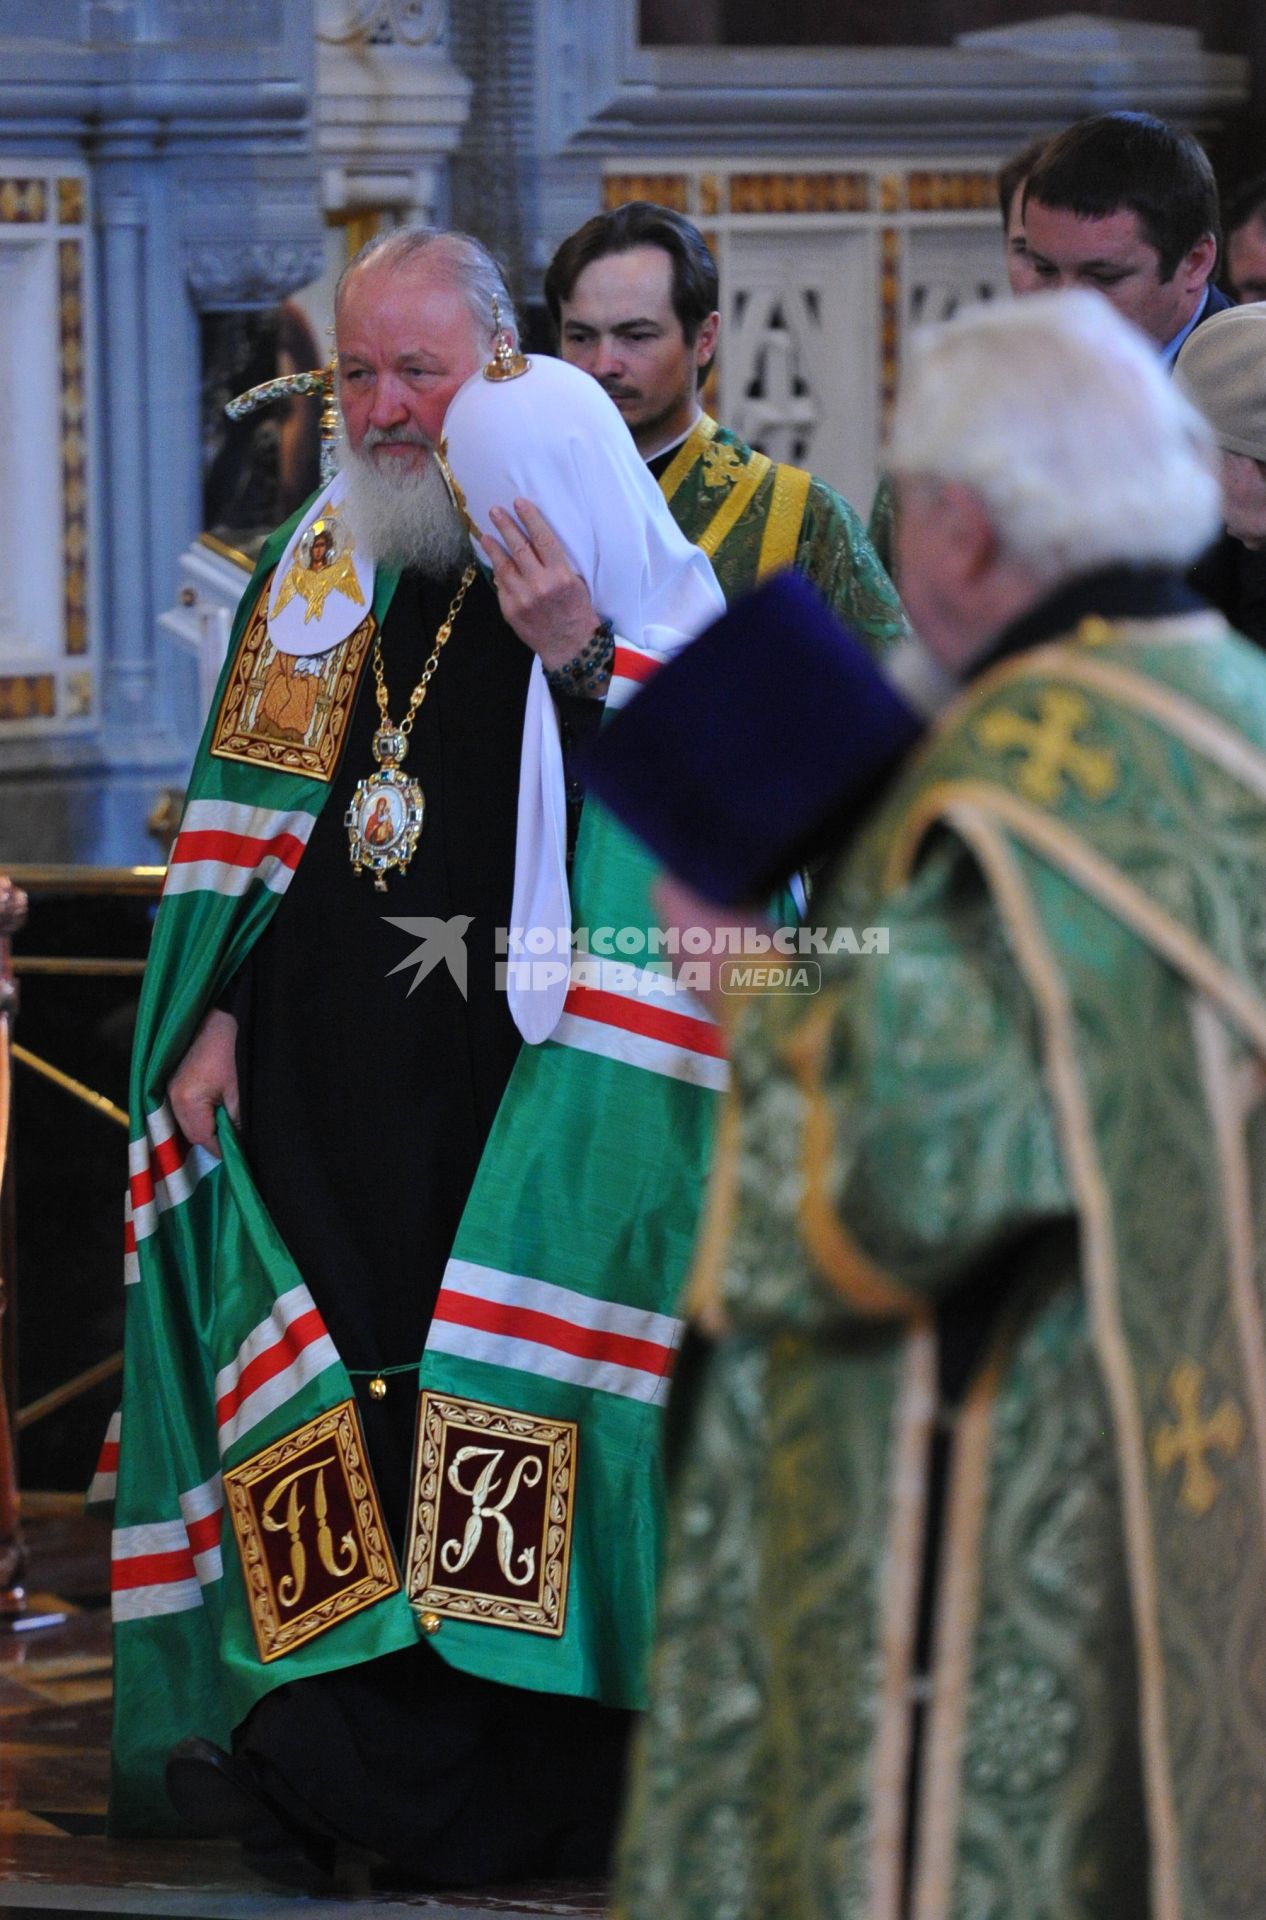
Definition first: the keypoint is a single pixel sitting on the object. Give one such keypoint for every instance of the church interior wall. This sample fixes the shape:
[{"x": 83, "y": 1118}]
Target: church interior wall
[
  {"x": 167, "y": 156},
  {"x": 915, "y": 23}
]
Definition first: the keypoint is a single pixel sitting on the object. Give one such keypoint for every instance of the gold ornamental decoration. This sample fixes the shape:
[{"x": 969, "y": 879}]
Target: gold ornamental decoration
[{"x": 385, "y": 814}]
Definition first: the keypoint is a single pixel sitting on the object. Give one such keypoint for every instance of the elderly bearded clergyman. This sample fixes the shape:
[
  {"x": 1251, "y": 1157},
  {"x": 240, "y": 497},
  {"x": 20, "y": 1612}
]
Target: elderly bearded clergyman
[
  {"x": 343, "y": 1156},
  {"x": 965, "y": 1599}
]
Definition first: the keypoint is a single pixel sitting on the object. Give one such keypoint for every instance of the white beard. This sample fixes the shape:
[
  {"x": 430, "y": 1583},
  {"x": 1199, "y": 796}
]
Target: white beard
[{"x": 405, "y": 519}]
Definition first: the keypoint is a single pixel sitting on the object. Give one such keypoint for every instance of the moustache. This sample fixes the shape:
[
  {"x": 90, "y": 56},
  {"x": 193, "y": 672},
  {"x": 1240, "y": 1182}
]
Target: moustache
[
  {"x": 615, "y": 391},
  {"x": 396, "y": 437}
]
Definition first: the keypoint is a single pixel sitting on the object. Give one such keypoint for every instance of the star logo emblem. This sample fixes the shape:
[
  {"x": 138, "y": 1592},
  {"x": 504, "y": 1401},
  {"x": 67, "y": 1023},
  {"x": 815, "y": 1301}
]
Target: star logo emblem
[{"x": 439, "y": 941}]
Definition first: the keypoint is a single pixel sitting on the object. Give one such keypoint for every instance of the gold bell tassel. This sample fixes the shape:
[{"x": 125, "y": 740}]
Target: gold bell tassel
[{"x": 329, "y": 419}]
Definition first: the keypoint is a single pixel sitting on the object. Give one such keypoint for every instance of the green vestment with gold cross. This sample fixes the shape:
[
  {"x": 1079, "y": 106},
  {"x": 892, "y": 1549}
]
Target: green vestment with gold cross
[
  {"x": 1030, "y": 1684},
  {"x": 753, "y": 516}
]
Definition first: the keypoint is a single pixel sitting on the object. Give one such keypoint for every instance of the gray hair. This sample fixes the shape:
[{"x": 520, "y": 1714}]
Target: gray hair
[
  {"x": 1061, "y": 417},
  {"x": 458, "y": 258}
]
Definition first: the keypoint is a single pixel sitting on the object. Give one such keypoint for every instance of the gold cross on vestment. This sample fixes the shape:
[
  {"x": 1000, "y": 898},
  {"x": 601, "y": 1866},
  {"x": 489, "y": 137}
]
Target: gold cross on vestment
[
  {"x": 721, "y": 465},
  {"x": 1191, "y": 1439},
  {"x": 1053, "y": 752}
]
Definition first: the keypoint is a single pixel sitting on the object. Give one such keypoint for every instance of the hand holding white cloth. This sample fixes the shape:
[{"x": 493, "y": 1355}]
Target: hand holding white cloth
[{"x": 554, "y": 438}]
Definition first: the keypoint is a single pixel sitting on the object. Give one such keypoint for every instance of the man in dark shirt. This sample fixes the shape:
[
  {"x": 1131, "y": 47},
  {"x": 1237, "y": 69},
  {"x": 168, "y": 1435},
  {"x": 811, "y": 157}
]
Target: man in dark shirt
[
  {"x": 635, "y": 297},
  {"x": 1128, "y": 207},
  {"x": 1246, "y": 242}
]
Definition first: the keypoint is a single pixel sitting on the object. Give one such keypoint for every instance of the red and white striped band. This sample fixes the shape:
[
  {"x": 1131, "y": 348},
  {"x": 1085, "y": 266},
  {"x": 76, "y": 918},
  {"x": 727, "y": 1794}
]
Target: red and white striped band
[
  {"x": 533, "y": 1326},
  {"x": 163, "y": 1171},
  {"x": 637, "y": 1016},
  {"x": 105, "y": 1480},
  {"x": 223, "y": 845},
  {"x": 162, "y": 1566},
  {"x": 630, "y": 669},
  {"x": 277, "y": 1358}
]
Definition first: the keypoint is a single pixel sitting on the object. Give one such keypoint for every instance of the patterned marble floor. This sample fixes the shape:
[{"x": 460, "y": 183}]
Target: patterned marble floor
[{"x": 54, "y": 1743}]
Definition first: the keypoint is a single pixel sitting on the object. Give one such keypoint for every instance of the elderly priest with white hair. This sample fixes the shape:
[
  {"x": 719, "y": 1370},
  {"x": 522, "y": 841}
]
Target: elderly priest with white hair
[{"x": 964, "y": 1607}]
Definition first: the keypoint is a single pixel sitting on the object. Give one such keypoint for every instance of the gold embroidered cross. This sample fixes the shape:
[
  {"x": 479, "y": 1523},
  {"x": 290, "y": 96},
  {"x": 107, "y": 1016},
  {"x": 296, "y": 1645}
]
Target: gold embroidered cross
[
  {"x": 1053, "y": 752},
  {"x": 721, "y": 465},
  {"x": 1192, "y": 1438}
]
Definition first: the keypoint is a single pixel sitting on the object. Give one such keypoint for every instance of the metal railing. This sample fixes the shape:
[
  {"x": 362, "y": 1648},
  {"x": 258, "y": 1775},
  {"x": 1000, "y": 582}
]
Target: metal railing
[
  {"x": 84, "y": 882},
  {"x": 45, "y": 881}
]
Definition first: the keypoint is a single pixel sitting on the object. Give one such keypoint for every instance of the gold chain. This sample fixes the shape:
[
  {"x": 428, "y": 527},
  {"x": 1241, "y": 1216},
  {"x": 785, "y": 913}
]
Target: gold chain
[{"x": 419, "y": 692}]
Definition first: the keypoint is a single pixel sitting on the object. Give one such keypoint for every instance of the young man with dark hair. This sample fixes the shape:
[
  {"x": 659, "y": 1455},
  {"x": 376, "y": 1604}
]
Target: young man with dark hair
[
  {"x": 1246, "y": 242},
  {"x": 693, "y": 291},
  {"x": 1013, "y": 177},
  {"x": 634, "y": 296},
  {"x": 1128, "y": 206}
]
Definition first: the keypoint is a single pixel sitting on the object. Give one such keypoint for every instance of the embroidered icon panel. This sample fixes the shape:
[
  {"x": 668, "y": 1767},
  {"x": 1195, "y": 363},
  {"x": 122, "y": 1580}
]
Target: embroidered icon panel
[
  {"x": 310, "y": 1532},
  {"x": 286, "y": 711},
  {"x": 493, "y": 1503}
]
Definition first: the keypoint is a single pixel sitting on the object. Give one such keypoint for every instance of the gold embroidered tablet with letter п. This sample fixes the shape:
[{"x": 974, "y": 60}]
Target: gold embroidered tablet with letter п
[
  {"x": 310, "y": 1532},
  {"x": 493, "y": 1501}
]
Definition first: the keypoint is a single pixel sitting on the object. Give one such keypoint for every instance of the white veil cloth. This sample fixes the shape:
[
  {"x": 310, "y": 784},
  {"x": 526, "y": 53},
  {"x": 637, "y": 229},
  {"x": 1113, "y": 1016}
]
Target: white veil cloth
[{"x": 553, "y": 437}]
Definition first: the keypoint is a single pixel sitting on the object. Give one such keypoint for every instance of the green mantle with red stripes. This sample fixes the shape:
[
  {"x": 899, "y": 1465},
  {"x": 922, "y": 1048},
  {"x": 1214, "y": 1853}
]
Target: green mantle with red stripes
[{"x": 559, "y": 1301}]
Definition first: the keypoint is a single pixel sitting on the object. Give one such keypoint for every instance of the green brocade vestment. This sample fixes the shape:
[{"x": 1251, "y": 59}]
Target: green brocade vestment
[
  {"x": 1040, "y": 1114},
  {"x": 882, "y": 525},
  {"x": 753, "y": 516}
]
